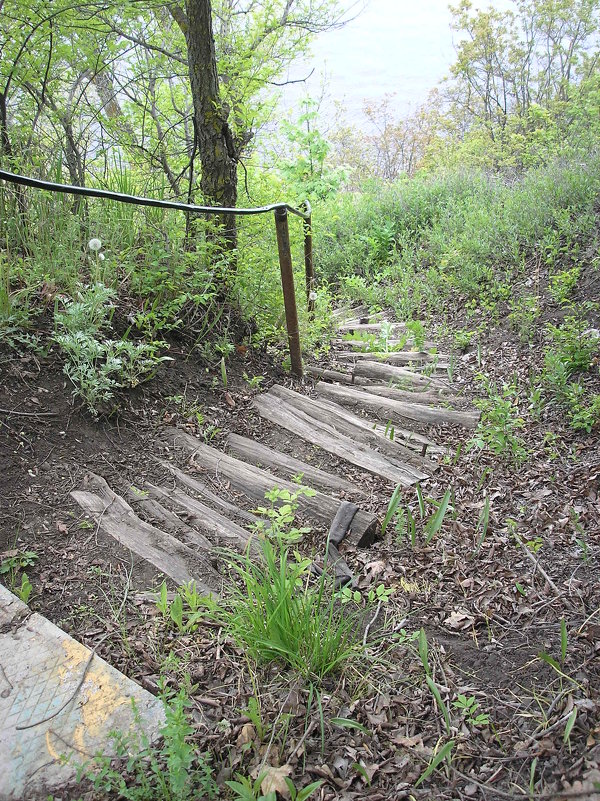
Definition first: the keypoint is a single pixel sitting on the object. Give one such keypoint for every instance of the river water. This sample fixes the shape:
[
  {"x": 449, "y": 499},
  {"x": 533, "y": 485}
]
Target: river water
[{"x": 393, "y": 47}]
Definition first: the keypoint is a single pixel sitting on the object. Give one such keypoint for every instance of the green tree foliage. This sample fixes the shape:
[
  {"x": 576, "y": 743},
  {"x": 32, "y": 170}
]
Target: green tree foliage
[
  {"x": 524, "y": 84},
  {"x": 85, "y": 87}
]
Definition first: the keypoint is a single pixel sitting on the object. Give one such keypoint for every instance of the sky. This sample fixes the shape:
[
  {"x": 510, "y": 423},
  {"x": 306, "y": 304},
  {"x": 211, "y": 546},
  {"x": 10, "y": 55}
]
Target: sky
[{"x": 394, "y": 47}]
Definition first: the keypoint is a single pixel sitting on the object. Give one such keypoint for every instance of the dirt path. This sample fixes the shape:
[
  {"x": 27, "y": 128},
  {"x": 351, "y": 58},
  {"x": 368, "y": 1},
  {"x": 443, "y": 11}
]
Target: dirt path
[{"x": 516, "y": 556}]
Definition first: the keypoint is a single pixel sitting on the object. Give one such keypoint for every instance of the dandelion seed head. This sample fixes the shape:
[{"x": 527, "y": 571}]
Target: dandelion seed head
[
  {"x": 94, "y": 245},
  {"x": 101, "y": 256}
]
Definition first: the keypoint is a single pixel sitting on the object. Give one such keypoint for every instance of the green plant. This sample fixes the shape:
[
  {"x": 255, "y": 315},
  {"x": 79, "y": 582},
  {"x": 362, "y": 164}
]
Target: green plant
[
  {"x": 524, "y": 312},
  {"x": 499, "y": 422},
  {"x": 572, "y": 345},
  {"x": 142, "y": 771},
  {"x": 563, "y": 283},
  {"x": 253, "y": 712},
  {"x": 379, "y": 594},
  {"x": 469, "y": 706},
  {"x": 24, "y": 591},
  {"x": 13, "y": 562},
  {"x": 463, "y": 338},
  {"x": 187, "y": 608},
  {"x": 444, "y": 753},
  {"x": 95, "y": 365},
  {"x": 254, "y": 381},
  {"x": 282, "y": 512},
  {"x": 277, "y": 612},
  {"x": 417, "y": 329},
  {"x": 247, "y": 790}
]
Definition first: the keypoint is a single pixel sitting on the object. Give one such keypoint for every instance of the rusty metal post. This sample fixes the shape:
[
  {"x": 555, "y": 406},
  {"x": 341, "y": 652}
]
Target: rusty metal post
[
  {"x": 289, "y": 295},
  {"x": 308, "y": 264}
]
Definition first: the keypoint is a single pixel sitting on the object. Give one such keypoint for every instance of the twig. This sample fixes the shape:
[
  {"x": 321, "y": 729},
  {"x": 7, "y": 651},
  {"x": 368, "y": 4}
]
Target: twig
[
  {"x": 28, "y": 414},
  {"x": 370, "y": 623},
  {"x": 300, "y": 742},
  {"x": 537, "y": 565},
  {"x": 552, "y": 796}
]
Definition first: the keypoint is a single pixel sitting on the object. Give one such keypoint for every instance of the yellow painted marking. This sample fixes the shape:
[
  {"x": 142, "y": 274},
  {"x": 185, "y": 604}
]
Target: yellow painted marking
[{"x": 99, "y": 696}]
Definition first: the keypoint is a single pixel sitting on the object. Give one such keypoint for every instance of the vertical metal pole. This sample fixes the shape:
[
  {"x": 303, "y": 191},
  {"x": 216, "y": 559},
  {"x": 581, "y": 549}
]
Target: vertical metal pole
[
  {"x": 308, "y": 264},
  {"x": 289, "y": 296}
]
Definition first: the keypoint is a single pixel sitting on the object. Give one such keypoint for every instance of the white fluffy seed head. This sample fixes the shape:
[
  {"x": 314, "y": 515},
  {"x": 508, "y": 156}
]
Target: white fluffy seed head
[{"x": 94, "y": 245}]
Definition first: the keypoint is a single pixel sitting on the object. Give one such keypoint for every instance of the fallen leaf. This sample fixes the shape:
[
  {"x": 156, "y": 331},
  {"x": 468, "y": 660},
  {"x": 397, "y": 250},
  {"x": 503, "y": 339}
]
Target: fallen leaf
[
  {"x": 246, "y": 735},
  {"x": 274, "y": 780},
  {"x": 459, "y": 621}
]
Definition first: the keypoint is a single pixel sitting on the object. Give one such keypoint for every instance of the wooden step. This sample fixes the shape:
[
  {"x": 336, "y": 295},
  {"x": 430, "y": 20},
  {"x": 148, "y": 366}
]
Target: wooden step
[
  {"x": 280, "y": 411},
  {"x": 223, "y": 532},
  {"x": 113, "y": 515},
  {"x": 399, "y": 375},
  {"x": 413, "y": 392},
  {"x": 362, "y": 345},
  {"x": 155, "y": 513},
  {"x": 215, "y": 500},
  {"x": 405, "y": 446},
  {"x": 260, "y": 455},
  {"x": 395, "y": 410},
  {"x": 439, "y": 362},
  {"x": 352, "y": 327},
  {"x": 255, "y": 482},
  {"x": 433, "y": 398}
]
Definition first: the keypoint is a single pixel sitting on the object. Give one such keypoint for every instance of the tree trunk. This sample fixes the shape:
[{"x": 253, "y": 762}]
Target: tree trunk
[{"x": 216, "y": 145}]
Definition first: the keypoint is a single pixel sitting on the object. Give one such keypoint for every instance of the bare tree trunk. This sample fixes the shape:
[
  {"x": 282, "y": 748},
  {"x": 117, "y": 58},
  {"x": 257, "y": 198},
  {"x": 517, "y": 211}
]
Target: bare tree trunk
[{"x": 218, "y": 153}]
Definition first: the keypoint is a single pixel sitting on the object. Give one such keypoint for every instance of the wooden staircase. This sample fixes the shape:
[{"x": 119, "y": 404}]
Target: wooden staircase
[{"x": 376, "y": 411}]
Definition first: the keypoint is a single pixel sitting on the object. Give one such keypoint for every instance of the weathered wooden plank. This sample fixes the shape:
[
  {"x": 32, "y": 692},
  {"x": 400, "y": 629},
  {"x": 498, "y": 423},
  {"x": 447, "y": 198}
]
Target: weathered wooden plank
[
  {"x": 260, "y": 455},
  {"x": 223, "y": 531},
  {"x": 278, "y": 410},
  {"x": 371, "y": 328},
  {"x": 115, "y": 516},
  {"x": 406, "y": 447},
  {"x": 166, "y": 519},
  {"x": 394, "y": 410},
  {"x": 400, "y": 375},
  {"x": 255, "y": 482},
  {"x": 330, "y": 375},
  {"x": 364, "y": 345},
  {"x": 432, "y": 397},
  {"x": 226, "y": 508},
  {"x": 397, "y": 357}
]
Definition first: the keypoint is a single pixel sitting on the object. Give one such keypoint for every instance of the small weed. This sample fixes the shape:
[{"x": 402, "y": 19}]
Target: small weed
[
  {"x": 463, "y": 338},
  {"x": 525, "y": 310},
  {"x": 12, "y": 564},
  {"x": 469, "y": 706},
  {"x": 499, "y": 422},
  {"x": 254, "y": 381},
  {"x": 563, "y": 283},
  {"x": 140, "y": 771}
]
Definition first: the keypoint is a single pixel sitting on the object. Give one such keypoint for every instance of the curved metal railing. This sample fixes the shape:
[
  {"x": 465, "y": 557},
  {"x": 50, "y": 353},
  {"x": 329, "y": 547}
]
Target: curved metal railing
[{"x": 280, "y": 211}]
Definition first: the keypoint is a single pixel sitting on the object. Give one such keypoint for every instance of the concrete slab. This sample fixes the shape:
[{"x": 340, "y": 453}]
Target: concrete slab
[{"x": 57, "y": 699}]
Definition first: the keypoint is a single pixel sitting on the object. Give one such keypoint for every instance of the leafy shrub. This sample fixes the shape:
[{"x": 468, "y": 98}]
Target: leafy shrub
[
  {"x": 499, "y": 422},
  {"x": 96, "y": 366}
]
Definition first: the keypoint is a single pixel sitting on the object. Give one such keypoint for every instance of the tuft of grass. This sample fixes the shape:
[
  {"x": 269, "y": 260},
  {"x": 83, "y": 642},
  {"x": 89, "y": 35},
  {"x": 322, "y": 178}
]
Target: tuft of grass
[{"x": 277, "y": 612}]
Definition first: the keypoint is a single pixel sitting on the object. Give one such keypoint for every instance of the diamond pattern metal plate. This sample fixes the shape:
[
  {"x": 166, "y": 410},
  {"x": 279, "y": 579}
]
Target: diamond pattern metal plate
[{"x": 47, "y": 712}]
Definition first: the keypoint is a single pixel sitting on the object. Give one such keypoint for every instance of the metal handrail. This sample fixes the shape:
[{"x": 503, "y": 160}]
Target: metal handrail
[
  {"x": 69, "y": 189},
  {"x": 280, "y": 211}
]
